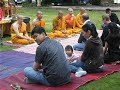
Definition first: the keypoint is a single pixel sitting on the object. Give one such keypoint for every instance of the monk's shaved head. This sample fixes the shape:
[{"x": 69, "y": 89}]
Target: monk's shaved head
[
  {"x": 70, "y": 11},
  {"x": 39, "y": 12},
  {"x": 82, "y": 10},
  {"x": 60, "y": 14},
  {"x": 19, "y": 16},
  {"x": 39, "y": 15}
]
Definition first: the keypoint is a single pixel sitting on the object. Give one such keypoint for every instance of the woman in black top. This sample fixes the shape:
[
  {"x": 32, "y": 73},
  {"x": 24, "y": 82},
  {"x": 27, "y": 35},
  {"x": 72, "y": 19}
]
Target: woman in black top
[
  {"x": 112, "y": 45},
  {"x": 92, "y": 57}
]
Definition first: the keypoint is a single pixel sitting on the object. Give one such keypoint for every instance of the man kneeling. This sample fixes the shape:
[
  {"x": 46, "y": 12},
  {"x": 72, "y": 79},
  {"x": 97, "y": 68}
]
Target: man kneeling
[{"x": 50, "y": 67}]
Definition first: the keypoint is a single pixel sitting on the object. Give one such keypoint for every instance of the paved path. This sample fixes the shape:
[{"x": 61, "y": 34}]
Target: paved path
[{"x": 115, "y": 8}]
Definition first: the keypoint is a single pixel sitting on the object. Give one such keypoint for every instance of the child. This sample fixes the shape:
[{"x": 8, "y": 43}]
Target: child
[{"x": 71, "y": 58}]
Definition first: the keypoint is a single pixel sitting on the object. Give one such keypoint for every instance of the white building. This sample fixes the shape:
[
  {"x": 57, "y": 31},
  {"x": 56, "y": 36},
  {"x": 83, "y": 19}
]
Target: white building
[{"x": 116, "y": 1}]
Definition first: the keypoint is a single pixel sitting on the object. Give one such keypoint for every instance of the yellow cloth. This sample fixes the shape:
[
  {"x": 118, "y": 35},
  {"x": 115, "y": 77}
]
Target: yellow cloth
[
  {"x": 79, "y": 22},
  {"x": 70, "y": 24},
  {"x": 40, "y": 23},
  {"x": 59, "y": 28},
  {"x": 22, "y": 31}
]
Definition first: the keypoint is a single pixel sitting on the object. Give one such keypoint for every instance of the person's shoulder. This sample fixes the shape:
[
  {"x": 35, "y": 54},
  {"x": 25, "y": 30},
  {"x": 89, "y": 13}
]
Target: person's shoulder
[
  {"x": 15, "y": 24},
  {"x": 113, "y": 14},
  {"x": 23, "y": 23}
]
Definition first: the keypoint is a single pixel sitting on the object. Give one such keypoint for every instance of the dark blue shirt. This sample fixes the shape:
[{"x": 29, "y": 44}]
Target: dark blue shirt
[{"x": 51, "y": 55}]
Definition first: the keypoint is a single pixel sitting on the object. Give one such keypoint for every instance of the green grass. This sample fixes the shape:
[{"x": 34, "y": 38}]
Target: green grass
[
  {"x": 3, "y": 48},
  {"x": 111, "y": 82}
]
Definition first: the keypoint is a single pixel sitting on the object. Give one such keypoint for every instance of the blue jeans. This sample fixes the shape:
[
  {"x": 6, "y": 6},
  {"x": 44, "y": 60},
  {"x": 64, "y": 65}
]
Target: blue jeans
[
  {"x": 35, "y": 76},
  {"x": 79, "y": 46},
  {"x": 75, "y": 66}
]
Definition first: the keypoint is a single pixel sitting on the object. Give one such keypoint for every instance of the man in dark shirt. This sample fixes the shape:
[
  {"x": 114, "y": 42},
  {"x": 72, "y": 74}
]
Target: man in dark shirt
[
  {"x": 106, "y": 21},
  {"x": 113, "y": 16},
  {"x": 50, "y": 67},
  {"x": 81, "y": 41}
]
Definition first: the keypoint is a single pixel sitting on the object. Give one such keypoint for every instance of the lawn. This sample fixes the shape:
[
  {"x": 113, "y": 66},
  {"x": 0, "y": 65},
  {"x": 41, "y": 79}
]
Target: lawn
[{"x": 108, "y": 83}]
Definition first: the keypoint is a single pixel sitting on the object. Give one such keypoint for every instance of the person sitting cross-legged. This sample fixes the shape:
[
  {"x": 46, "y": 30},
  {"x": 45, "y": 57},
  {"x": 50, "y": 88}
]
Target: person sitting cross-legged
[
  {"x": 50, "y": 67},
  {"x": 92, "y": 56},
  {"x": 81, "y": 41},
  {"x": 59, "y": 27},
  {"x": 38, "y": 21},
  {"x": 112, "y": 44},
  {"x": 79, "y": 22},
  {"x": 19, "y": 34}
]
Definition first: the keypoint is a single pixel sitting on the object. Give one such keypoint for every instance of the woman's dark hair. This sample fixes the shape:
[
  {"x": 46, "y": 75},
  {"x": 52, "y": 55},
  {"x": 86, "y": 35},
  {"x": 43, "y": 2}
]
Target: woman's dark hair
[
  {"x": 113, "y": 39},
  {"x": 107, "y": 10},
  {"x": 114, "y": 31},
  {"x": 113, "y": 28},
  {"x": 92, "y": 29},
  {"x": 38, "y": 30},
  {"x": 69, "y": 47}
]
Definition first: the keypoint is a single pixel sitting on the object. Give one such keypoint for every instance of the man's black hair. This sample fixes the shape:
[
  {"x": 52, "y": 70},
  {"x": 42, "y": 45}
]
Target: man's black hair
[
  {"x": 38, "y": 30},
  {"x": 107, "y": 10}
]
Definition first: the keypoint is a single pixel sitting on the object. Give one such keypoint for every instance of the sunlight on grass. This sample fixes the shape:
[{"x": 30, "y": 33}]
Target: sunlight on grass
[
  {"x": 3, "y": 48},
  {"x": 111, "y": 82}
]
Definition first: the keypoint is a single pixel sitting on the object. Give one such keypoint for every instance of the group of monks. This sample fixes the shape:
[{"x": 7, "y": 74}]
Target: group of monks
[
  {"x": 63, "y": 26},
  {"x": 67, "y": 25}
]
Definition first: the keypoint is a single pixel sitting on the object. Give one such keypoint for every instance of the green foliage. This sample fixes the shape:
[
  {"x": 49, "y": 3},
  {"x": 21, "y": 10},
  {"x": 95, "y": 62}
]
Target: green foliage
[
  {"x": 28, "y": 4},
  {"x": 96, "y": 2}
]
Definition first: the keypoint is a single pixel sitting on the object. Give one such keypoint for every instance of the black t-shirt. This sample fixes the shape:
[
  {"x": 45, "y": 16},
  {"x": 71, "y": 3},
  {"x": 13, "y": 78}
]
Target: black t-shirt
[
  {"x": 113, "y": 44},
  {"x": 51, "y": 55},
  {"x": 105, "y": 33},
  {"x": 114, "y": 18}
]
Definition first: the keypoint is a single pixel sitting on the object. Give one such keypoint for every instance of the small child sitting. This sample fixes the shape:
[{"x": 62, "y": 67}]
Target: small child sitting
[{"x": 71, "y": 58}]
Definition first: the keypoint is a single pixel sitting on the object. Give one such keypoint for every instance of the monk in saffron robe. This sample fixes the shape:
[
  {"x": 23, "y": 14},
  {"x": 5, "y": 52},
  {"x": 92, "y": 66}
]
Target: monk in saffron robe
[
  {"x": 59, "y": 28},
  {"x": 18, "y": 32},
  {"x": 79, "y": 21},
  {"x": 70, "y": 22},
  {"x": 39, "y": 21}
]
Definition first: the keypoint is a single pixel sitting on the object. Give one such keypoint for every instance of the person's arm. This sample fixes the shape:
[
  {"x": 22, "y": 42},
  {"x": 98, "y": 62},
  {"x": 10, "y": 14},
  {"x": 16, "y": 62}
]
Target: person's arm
[
  {"x": 37, "y": 66},
  {"x": 15, "y": 28},
  {"x": 86, "y": 51},
  {"x": 55, "y": 24},
  {"x": 81, "y": 38},
  {"x": 39, "y": 58},
  {"x": 43, "y": 23},
  {"x": 105, "y": 48},
  {"x": 115, "y": 18}
]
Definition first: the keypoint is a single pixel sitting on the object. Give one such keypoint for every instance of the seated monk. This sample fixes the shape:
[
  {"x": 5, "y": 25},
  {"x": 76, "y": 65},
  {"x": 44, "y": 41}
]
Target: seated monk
[
  {"x": 39, "y": 21},
  {"x": 79, "y": 21},
  {"x": 18, "y": 32},
  {"x": 70, "y": 22},
  {"x": 59, "y": 29}
]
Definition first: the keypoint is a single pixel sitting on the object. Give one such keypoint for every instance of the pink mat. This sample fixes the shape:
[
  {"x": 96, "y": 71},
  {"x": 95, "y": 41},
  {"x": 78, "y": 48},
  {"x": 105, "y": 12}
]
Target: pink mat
[{"x": 74, "y": 84}]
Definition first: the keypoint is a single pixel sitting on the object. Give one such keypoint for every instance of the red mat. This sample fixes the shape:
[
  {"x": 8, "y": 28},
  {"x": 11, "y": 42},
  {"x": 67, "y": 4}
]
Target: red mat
[{"x": 74, "y": 84}]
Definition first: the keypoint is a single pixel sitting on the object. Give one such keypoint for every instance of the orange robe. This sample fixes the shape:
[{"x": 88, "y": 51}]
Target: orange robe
[
  {"x": 22, "y": 31},
  {"x": 70, "y": 24},
  {"x": 79, "y": 22},
  {"x": 40, "y": 23},
  {"x": 59, "y": 28}
]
